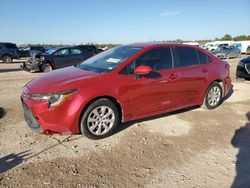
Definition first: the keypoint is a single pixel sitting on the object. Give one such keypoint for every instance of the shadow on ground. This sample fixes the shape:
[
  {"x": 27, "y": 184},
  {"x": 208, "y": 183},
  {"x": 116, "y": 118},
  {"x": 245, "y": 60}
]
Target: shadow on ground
[
  {"x": 241, "y": 140},
  {"x": 10, "y": 161},
  {"x": 10, "y": 70},
  {"x": 2, "y": 112}
]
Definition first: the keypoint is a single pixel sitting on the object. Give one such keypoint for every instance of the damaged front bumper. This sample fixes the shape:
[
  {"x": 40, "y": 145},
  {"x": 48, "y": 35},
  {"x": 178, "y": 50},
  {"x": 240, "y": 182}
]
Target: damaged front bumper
[{"x": 31, "y": 65}]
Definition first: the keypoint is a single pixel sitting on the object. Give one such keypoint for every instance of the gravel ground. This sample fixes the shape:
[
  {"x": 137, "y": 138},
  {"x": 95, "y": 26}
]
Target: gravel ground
[{"x": 186, "y": 148}]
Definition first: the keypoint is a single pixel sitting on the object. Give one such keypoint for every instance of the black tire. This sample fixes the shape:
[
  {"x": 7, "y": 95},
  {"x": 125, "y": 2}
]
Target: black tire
[
  {"x": 207, "y": 99},
  {"x": 7, "y": 59},
  {"x": 85, "y": 125},
  {"x": 46, "y": 67}
]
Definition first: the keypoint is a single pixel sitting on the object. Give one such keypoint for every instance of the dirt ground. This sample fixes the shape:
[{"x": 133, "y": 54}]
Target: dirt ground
[{"x": 187, "y": 148}]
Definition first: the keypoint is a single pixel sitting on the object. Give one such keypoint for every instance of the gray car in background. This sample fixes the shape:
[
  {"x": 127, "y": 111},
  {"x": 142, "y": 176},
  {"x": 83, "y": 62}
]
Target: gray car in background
[{"x": 227, "y": 52}]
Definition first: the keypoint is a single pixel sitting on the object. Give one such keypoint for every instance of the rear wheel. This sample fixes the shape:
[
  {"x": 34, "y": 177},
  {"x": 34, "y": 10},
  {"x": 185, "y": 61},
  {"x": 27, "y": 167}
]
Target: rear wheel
[
  {"x": 213, "y": 97},
  {"x": 46, "y": 67},
  {"x": 7, "y": 59},
  {"x": 100, "y": 119}
]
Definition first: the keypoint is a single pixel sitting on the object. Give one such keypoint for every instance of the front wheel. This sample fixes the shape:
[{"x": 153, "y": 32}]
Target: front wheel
[
  {"x": 100, "y": 119},
  {"x": 213, "y": 97},
  {"x": 46, "y": 67}
]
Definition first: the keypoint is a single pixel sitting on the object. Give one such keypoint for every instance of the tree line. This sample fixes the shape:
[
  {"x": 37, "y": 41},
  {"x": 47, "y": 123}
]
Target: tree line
[{"x": 225, "y": 37}]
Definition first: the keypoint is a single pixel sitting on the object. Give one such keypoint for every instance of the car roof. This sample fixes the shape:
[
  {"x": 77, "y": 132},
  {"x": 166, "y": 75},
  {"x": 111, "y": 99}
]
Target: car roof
[
  {"x": 158, "y": 44},
  {"x": 7, "y": 43}
]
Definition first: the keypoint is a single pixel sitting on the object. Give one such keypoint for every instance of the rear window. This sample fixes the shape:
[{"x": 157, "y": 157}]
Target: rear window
[
  {"x": 11, "y": 46},
  {"x": 203, "y": 58},
  {"x": 185, "y": 56},
  {"x": 75, "y": 51}
]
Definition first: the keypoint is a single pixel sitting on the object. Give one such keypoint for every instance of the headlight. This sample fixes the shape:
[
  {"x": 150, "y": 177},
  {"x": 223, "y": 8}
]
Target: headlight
[
  {"x": 42, "y": 58},
  {"x": 54, "y": 99}
]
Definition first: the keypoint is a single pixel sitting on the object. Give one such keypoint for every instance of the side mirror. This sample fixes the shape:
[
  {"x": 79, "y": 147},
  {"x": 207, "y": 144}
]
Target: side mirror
[{"x": 143, "y": 70}]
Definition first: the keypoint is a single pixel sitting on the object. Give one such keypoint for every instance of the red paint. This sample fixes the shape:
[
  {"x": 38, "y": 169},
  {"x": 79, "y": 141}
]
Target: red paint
[
  {"x": 139, "y": 98},
  {"x": 143, "y": 70}
]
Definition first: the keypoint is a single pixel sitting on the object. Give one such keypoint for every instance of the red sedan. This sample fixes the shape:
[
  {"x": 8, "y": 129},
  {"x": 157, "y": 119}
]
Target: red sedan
[{"x": 122, "y": 84}]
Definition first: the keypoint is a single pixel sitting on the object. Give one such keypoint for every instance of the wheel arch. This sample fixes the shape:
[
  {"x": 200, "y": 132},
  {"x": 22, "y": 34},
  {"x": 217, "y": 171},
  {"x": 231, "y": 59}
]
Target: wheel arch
[
  {"x": 7, "y": 55},
  {"x": 113, "y": 99},
  {"x": 47, "y": 61},
  {"x": 217, "y": 80}
]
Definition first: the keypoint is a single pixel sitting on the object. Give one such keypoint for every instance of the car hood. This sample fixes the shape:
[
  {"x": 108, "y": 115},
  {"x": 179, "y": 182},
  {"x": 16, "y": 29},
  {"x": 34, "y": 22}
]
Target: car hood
[{"x": 60, "y": 80}]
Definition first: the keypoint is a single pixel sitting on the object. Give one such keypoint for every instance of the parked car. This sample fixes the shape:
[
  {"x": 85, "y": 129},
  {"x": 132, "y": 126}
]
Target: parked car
[
  {"x": 26, "y": 52},
  {"x": 242, "y": 45},
  {"x": 8, "y": 52},
  {"x": 243, "y": 68},
  {"x": 122, "y": 84},
  {"x": 211, "y": 46},
  {"x": 57, "y": 58},
  {"x": 227, "y": 52}
]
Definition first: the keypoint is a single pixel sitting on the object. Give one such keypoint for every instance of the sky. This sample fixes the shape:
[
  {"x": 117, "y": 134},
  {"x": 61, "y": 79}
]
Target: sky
[{"x": 120, "y": 21}]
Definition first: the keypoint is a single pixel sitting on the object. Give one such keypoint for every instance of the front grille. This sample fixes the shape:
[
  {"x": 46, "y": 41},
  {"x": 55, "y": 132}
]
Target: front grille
[{"x": 30, "y": 118}]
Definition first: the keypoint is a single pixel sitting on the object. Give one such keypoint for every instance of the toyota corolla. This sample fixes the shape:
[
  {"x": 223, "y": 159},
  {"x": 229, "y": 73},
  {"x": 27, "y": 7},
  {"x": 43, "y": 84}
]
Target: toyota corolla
[{"x": 125, "y": 83}]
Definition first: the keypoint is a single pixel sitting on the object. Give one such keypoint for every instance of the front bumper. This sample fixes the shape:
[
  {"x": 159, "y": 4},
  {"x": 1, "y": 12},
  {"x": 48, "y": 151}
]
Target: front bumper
[
  {"x": 243, "y": 71},
  {"x": 31, "y": 120},
  {"x": 31, "y": 66},
  {"x": 63, "y": 119}
]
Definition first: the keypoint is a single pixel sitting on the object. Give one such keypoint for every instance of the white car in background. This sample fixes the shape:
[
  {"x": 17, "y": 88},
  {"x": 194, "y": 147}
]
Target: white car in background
[
  {"x": 192, "y": 43},
  {"x": 242, "y": 45},
  {"x": 216, "y": 44}
]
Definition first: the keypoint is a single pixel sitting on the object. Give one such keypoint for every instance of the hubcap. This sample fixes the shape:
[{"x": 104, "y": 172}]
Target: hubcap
[
  {"x": 214, "y": 96},
  {"x": 100, "y": 120}
]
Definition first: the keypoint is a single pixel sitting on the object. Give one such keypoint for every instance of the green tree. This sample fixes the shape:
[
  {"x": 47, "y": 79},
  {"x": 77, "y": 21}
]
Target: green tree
[
  {"x": 227, "y": 37},
  {"x": 241, "y": 37}
]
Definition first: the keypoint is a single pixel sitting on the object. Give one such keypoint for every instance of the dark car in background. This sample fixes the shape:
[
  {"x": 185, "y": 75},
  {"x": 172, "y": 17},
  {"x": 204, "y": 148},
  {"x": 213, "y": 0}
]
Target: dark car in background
[
  {"x": 227, "y": 52},
  {"x": 58, "y": 58},
  {"x": 27, "y": 51},
  {"x": 8, "y": 52},
  {"x": 243, "y": 68}
]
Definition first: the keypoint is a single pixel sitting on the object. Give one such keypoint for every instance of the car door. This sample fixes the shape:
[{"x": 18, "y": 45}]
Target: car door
[
  {"x": 193, "y": 75},
  {"x": 153, "y": 92},
  {"x": 235, "y": 51},
  {"x": 62, "y": 58}
]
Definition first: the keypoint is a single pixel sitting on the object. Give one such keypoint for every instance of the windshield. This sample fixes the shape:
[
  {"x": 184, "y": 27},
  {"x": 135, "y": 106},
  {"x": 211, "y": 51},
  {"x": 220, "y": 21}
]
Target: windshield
[
  {"x": 50, "y": 51},
  {"x": 109, "y": 60}
]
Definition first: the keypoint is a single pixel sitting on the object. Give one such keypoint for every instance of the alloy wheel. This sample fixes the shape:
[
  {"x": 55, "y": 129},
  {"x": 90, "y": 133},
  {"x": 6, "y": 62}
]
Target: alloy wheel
[
  {"x": 100, "y": 120},
  {"x": 214, "y": 96}
]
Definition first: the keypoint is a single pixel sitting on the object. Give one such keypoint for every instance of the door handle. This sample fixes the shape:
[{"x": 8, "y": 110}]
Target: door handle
[
  {"x": 204, "y": 70},
  {"x": 173, "y": 76}
]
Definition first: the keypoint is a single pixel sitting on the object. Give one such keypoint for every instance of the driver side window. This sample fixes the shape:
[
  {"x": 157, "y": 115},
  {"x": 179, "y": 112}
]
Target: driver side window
[
  {"x": 158, "y": 59},
  {"x": 62, "y": 52}
]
